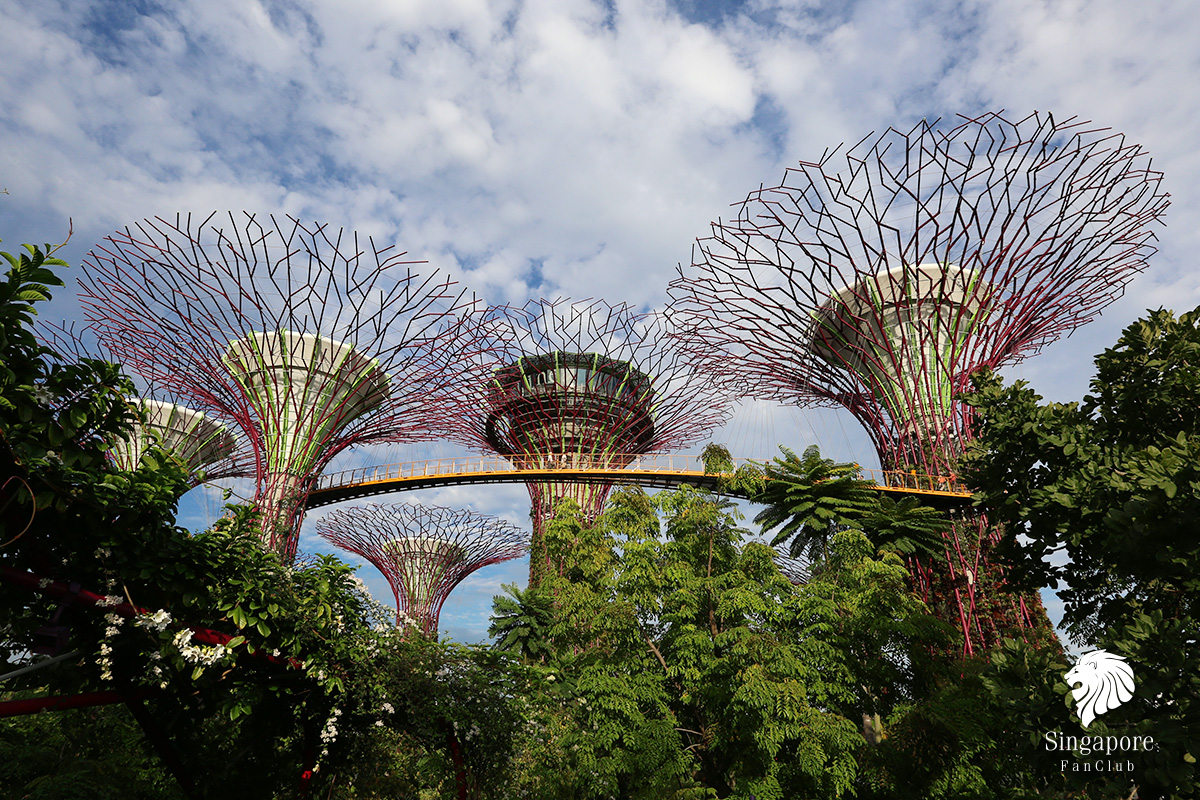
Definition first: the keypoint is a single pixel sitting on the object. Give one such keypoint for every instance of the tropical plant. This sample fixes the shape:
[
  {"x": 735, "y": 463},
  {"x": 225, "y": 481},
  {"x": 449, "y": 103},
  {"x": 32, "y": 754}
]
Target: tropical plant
[
  {"x": 809, "y": 498},
  {"x": 1101, "y": 498},
  {"x": 521, "y": 622}
]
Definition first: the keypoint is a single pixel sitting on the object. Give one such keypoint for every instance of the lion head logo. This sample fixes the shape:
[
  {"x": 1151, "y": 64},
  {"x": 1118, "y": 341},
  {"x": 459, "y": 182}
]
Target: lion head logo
[{"x": 1105, "y": 682}]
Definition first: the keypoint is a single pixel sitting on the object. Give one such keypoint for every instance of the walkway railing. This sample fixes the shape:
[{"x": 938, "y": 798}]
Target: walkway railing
[{"x": 641, "y": 468}]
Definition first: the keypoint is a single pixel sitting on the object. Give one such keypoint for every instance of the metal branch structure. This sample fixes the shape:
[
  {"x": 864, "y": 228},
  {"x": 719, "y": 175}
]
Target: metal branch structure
[
  {"x": 201, "y": 445},
  {"x": 880, "y": 280},
  {"x": 424, "y": 552},
  {"x": 559, "y": 384},
  {"x": 930, "y": 255},
  {"x": 303, "y": 337}
]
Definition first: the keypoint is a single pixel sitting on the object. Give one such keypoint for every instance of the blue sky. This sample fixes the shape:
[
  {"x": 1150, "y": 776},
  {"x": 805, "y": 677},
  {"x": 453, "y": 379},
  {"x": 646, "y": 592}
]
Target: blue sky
[{"x": 557, "y": 147}]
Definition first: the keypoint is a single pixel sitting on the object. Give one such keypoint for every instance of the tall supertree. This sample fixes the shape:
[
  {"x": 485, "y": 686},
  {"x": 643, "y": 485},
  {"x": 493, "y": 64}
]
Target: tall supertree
[
  {"x": 305, "y": 338},
  {"x": 202, "y": 446},
  {"x": 881, "y": 285},
  {"x": 575, "y": 385},
  {"x": 424, "y": 552}
]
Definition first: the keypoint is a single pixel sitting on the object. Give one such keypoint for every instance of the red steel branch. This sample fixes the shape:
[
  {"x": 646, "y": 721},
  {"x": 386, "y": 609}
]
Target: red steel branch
[
  {"x": 83, "y": 597},
  {"x": 879, "y": 281},
  {"x": 132, "y": 697},
  {"x": 576, "y": 384},
  {"x": 424, "y": 552},
  {"x": 303, "y": 338}
]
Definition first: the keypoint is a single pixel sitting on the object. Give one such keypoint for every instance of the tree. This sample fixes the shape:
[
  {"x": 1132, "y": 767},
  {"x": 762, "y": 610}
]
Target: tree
[
  {"x": 686, "y": 666},
  {"x": 808, "y": 498},
  {"x": 1101, "y": 499},
  {"x": 522, "y": 621}
]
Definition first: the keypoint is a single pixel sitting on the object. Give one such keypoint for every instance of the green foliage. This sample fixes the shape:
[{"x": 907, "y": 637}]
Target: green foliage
[
  {"x": 29, "y": 280},
  {"x": 522, "y": 622},
  {"x": 94, "y": 752},
  {"x": 906, "y": 527},
  {"x": 685, "y": 665},
  {"x": 808, "y": 498},
  {"x": 1113, "y": 483}
]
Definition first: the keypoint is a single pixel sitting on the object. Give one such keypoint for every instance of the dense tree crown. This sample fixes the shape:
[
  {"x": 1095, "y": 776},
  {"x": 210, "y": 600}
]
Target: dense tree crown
[{"x": 1102, "y": 500}]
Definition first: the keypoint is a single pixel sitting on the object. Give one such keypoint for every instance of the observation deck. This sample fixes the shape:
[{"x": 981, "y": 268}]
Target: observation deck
[{"x": 662, "y": 471}]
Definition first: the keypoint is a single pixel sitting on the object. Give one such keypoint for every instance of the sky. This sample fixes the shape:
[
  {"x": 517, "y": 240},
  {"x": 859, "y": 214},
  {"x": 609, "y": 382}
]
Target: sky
[{"x": 557, "y": 147}]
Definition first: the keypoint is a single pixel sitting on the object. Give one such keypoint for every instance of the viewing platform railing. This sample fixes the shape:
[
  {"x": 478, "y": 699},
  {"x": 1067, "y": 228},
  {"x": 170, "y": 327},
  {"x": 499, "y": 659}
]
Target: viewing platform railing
[{"x": 656, "y": 470}]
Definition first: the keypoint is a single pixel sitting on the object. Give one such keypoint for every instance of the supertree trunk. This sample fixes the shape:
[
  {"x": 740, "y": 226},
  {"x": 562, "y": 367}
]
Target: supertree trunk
[
  {"x": 545, "y": 497},
  {"x": 422, "y": 551}
]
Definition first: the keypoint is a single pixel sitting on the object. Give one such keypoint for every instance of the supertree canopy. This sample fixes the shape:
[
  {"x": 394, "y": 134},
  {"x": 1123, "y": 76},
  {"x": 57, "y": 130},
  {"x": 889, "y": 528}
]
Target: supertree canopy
[
  {"x": 931, "y": 254},
  {"x": 882, "y": 284},
  {"x": 202, "y": 446},
  {"x": 304, "y": 338},
  {"x": 188, "y": 435},
  {"x": 423, "y": 551},
  {"x": 576, "y": 385}
]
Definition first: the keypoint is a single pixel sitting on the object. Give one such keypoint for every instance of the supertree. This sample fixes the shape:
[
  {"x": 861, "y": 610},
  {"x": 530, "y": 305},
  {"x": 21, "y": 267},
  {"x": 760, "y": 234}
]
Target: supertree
[
  {"x": 424, "y": 552},
  {"x": 560, "y": 384},
  {"x": 202, "y": 446},
  {"x": 306, "y": 339},
  {"x": 930, "y": 255}
]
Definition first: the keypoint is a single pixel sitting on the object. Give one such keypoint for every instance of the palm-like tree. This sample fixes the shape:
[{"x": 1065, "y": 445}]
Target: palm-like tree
[
  {"x": 809, "y": 498},
  {"x": 907, "y": 527},
  {"x": 521, "y": 622}
]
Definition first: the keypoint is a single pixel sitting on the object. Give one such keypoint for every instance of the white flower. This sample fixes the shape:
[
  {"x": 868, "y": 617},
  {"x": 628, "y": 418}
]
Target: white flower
[
  {"x": 388, "y": 708},
  {"x": 42, "y": 395},
  {"x": 330, "y": 731},
  {"x": 44, "y": 582},
  {"x": 103, "y": 552},
  {"x": 199, "y": 655},
  {"x": 157, "y": 622},
  {"x": 378, "y": 723},
  {"x": 110, "y": 600}
]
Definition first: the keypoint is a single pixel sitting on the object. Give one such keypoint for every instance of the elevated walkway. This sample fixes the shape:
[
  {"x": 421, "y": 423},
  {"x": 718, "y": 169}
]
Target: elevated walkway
[{"x": 662, "y": 471}]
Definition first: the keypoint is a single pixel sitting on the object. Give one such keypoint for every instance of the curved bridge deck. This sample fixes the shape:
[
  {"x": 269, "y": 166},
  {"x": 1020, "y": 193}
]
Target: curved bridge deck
[{"x": 663, "y": 471}]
